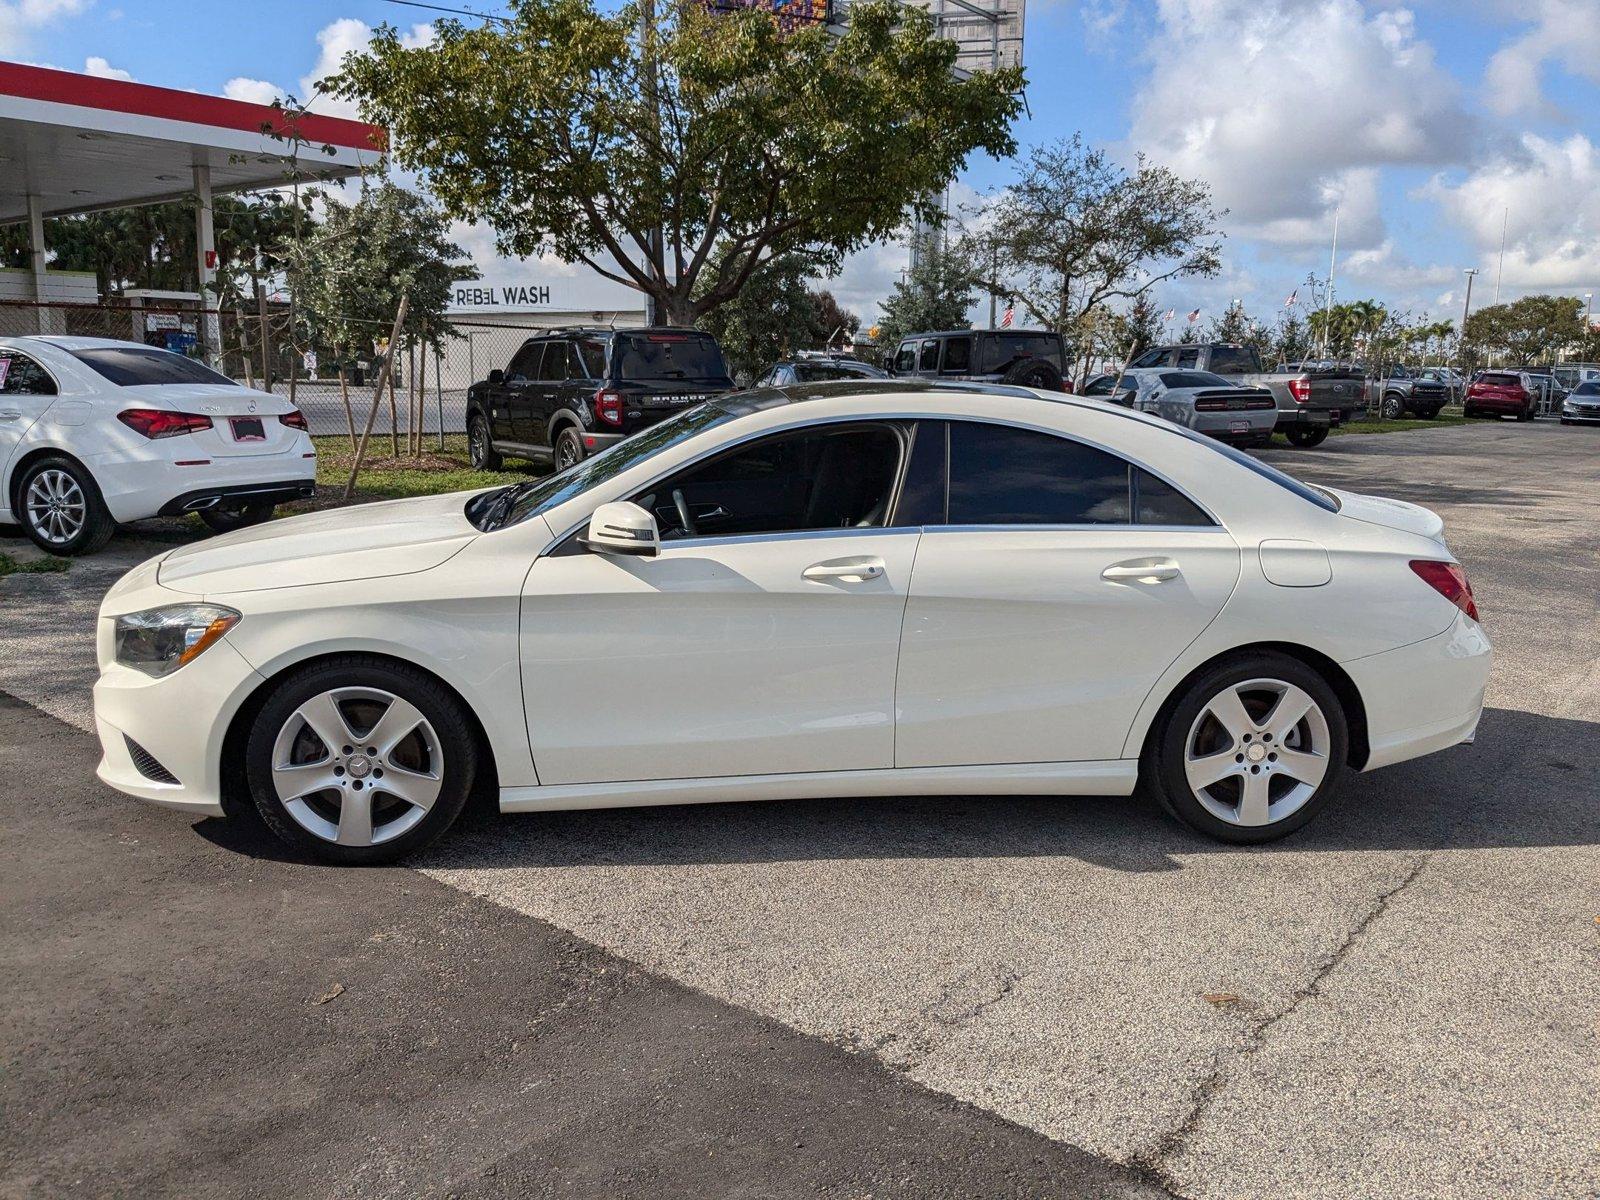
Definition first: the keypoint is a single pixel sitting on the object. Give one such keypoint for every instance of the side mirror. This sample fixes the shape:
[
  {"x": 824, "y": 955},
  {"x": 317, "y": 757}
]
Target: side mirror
[
  {"x": 497, "y": 377},
  {"x": 622, "y": 527}
]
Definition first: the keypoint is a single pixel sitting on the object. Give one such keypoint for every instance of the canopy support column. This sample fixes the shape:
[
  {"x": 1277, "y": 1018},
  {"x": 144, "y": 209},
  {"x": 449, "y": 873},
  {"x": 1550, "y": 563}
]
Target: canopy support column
[
  {"x": 206, "y": 254},
  {"x": 36, "y": 260}
]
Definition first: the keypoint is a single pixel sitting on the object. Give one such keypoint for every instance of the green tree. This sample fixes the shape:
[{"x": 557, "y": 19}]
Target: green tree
[
  {"x": 348, "y": 271},
  {"x": 936, "y": 293},
  {"x": 1531, "y": 330},
  {"x": 586, "y": 133},
  {"x": 1291, "y": 340},
  {"x": 776, "y": 314},
  {"x": 1141, "y": 325},
  {"x": 1076, "y": 232}
]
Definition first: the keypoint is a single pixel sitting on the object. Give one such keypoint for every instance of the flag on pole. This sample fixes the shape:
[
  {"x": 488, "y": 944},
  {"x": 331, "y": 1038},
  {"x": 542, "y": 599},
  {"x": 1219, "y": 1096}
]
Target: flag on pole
[
  {"x": 1293, "y": 296},
  {"x": 1194, "y": 316},
  {"x": 1170, "y": 315},
  {"x": 1008, "y": 316}
]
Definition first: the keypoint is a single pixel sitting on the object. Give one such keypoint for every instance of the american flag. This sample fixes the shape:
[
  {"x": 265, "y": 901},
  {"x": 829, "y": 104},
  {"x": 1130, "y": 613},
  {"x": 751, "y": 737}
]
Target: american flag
[
  {"x": 1194, "y": 316},
  {"x": 1293, "y": 296},
  {"x": 1171, "y": 313},
  {"x": 1008, "y": 316}
]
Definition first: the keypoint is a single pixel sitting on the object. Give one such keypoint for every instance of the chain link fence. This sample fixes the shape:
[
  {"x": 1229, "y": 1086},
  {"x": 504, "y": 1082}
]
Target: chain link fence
[{"x": 255, "y": 350}]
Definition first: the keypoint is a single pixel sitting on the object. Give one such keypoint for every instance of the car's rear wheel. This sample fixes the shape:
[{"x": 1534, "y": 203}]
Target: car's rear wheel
[
  {"x": 359, "y": 761},
  {"x": 569, "y": 448},
  {"x": 1252, "y": 750},
  {"x": 1306, "y": 438},
  {"x": 480, "y": 450},
  {"x": 61, "y": 509},
  {"x": 226, "y": 520}
]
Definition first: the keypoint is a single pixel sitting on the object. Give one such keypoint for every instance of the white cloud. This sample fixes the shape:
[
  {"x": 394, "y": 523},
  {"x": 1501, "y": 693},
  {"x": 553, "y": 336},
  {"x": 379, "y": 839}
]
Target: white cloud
[
  {"x": 1565, "y": 32},
  {"x": 253, "y": 91},
  {"x": 346, "y": 36},
  {"x": 1289, "y": 108},
  {"x": 101, "y": 69},
  {"x": 1547, "y": 192},
  {"x": 20, "y": 19}
]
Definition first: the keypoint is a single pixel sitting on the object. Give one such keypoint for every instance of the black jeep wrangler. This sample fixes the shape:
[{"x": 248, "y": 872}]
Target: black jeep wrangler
[
  {"x": 569, "y": 393},
  {"x": 1033, "y": 358}
]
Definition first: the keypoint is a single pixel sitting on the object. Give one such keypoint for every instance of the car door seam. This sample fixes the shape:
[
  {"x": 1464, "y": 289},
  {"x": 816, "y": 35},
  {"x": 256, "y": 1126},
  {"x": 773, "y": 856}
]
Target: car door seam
[{"x": 899, "y": 652}]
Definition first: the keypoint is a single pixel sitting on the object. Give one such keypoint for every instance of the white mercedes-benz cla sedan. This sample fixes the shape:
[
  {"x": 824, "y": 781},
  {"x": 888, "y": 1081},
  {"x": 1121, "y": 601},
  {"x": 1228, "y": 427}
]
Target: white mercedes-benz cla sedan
[
  {"x": 851, "y": 589},
  {"x": 95, "y": 432}
]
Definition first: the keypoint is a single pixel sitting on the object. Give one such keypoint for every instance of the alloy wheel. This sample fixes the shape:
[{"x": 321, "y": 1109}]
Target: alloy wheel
[
  {"x": 1257, "y": 752},
  {"x": 357, "y": 766},
  {"x": 568, "y": 453},
  {"x": 479, "y": 438},
  {"x": 56, "y": 506}
]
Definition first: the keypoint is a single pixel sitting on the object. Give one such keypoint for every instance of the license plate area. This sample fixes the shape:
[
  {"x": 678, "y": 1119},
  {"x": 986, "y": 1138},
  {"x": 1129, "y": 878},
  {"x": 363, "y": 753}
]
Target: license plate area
[
  {"x": 248, "y": 429},
  {"x": 1238, "y": 426}
]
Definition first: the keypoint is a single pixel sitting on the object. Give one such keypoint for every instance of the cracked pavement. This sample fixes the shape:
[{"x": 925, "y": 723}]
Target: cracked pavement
[{"x": 1417, "y": 973}]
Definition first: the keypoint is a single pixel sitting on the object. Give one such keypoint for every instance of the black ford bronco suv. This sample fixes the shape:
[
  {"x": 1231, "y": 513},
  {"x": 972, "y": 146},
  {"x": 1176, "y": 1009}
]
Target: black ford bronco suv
[{"x": 569, "y": 393}]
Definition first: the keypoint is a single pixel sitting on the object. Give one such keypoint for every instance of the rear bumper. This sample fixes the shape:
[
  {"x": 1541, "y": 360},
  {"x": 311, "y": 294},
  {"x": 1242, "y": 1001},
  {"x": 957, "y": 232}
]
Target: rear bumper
[
  {"x": 1243, "y": 424},
  {"x": 239, "y": 493},
  {"x": 136, "y": 487},
  {"x": 1423, "y": 697}
]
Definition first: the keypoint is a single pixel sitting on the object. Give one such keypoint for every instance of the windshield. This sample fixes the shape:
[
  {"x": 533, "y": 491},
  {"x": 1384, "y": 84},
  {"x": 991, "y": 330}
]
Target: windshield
[
  {"x": 557, "y": 489},
  {"x": 818, "y": 372},
  {"x": 131, "y": 366},
  {"x": 669, "y": 356}
]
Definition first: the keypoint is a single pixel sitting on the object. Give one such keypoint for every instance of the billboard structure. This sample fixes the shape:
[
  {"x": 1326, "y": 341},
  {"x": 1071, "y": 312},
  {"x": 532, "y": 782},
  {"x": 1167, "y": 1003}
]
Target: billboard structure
[{"x": 790, "y": 14}]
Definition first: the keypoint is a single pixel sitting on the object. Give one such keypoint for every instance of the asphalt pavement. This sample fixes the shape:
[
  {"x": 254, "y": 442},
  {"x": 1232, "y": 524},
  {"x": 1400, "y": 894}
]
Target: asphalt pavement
[{"x": 1400, "y": 1000}]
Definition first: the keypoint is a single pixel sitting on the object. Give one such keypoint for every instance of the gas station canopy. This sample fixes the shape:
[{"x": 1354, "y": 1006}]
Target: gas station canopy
[{"x": 76, "y": 143}]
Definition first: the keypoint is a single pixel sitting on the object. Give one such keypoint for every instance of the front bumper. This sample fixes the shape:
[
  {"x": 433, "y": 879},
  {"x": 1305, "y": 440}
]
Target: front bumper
[
  {"x": 1423, "y": 697},
  {"x": 178, "y": 721},
  {"x": 1569, "y": 413}
]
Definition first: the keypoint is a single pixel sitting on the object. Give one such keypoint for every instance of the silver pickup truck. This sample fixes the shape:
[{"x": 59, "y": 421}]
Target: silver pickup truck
[{"x": 1312, "y": 398}]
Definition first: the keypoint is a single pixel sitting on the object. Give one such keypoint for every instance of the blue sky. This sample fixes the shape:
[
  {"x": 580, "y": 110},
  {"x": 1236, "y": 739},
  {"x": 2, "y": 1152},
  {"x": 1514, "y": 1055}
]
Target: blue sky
[{"x": 1423, "y": 123}]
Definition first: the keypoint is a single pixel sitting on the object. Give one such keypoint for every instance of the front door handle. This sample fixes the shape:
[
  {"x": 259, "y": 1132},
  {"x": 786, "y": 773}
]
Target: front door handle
[
  {"x": 1146, "y": 570},
  {"x": 10, "y": 414},
  {"x": 845, "y": 570}
]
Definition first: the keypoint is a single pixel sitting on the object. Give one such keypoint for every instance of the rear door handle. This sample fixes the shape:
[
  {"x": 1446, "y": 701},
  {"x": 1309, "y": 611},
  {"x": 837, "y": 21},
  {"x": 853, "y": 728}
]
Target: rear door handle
[
  {"x": 845, "y": 570},
  {"x": 1148, "y": 570},
  {"x": 10, "y": 414}
]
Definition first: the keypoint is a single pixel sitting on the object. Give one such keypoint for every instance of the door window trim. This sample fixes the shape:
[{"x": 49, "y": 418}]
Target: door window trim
[{"x": 55, "y": 384}]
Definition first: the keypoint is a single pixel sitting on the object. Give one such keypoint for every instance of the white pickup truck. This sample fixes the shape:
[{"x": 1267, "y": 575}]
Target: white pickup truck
[{"x": 1312, "y": 398}]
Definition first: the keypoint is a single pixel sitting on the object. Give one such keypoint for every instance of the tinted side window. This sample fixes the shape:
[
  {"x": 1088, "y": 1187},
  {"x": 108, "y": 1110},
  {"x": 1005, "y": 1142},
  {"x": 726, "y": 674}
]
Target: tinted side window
[
  {"x": 525, "y": 362},
  {"x": 21, "y": 376},
  {"x": 832, "y": 477},
  {"x": 553, "y": 368},
  {"x": 930, "y": 355},
  {"x": 1150, "y": 358},
  {"x": 906, "y": 358},
  {"x": 1005, "y": 476},
  {"x": 1189, "y": 356},
  {"x": 1156, "y": 502},
  {"x": 922, "y": 499},
  {"x": 957, "y": 356},
  {"x": 589, "y": 357}
]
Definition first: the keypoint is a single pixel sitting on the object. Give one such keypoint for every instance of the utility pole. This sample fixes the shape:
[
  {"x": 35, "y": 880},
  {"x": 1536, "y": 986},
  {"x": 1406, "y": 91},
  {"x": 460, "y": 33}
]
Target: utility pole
[
  {"x": 1505, "y": 220},
  {"x": 1466, "y": 311},
  {"x": 1327, "y": 307}
]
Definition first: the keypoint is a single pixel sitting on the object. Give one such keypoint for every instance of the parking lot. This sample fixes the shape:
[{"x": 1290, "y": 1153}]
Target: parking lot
[{"x": 952, "y": 996}]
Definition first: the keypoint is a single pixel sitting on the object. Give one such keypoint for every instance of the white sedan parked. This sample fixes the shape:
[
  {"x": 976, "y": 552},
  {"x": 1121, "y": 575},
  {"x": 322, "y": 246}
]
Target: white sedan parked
[
  {"x": 95, "y": 432},
  {"x": 837, "y": 590}
]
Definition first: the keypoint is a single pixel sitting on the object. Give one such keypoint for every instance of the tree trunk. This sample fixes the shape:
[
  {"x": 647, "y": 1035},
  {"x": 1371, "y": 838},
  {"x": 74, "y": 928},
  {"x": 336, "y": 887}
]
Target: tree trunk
[
  {"x": 678, "y": 310},
  {"x": 349, "y": 413},
  {"x": 394, "y": 416},
  {"x": 385, "y": 376}
]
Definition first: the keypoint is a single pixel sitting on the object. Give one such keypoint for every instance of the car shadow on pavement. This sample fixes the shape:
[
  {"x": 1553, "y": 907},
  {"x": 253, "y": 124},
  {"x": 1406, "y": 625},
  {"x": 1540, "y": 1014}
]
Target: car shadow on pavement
[{"x": 1529, "y": 781}]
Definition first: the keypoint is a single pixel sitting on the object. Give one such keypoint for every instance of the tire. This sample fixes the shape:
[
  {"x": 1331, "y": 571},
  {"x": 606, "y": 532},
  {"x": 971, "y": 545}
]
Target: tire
[
  {"x": 226, "y": 520},
  {"x": 436, "y": 757},
  {"x": 1034, "y": 374},
  {"x": 1565, "y": 421},
  {"x": 1219, "y": 809},
  {"x": 480, "y": 449},
  {"x": 1525, "y": 415},
  {"x": 568, "y": 447},
  {"x": 61, "y": 509},
  {"x": 1393, "y": 407},
  {"x": 1306, "y": 438}
]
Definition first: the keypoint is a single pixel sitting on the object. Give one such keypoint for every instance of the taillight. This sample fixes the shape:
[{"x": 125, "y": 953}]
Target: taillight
[
  {"x": 608, "y": 407},
  {"x": 156, "y": 423},
  {"x": 1300, "y": 389},
  {"x": 295, "y": 419},
  {"x": 1449, "y": 579}
]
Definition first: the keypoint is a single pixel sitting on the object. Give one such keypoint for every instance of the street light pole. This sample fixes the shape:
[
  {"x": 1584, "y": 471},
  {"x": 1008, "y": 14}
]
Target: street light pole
[{"x": 1466, "y": 311}]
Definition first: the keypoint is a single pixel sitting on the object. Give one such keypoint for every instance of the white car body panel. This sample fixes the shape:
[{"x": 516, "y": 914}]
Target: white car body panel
[
  {"x": 138, "y": 476},
  {"x": 717, "y": 671}
]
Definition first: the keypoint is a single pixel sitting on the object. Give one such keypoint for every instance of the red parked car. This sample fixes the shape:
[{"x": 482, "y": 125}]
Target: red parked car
[{"x": 1498, "y": 394}]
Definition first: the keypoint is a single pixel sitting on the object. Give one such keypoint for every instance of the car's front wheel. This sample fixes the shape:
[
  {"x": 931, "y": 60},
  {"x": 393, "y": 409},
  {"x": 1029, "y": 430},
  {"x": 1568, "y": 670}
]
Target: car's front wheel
[
  {"x": 480, "y": 449},
  {"x": 360, "y": 761},
  {"x": 1393, "y": 407},
  {"x": 61, "y": 509},
  {"x": 1251, "y": 751},
  {"x": 1306, "y": 438}
]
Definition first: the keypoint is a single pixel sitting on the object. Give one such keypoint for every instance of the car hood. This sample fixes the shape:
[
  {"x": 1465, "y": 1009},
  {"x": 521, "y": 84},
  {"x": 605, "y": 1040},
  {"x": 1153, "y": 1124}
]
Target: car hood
[
  {"x": 364, "y": 541},
  {"x": 1392, "y": 514}
]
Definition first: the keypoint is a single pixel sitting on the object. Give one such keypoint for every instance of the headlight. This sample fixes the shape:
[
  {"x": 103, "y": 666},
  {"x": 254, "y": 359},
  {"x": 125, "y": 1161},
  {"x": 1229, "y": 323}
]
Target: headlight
[{"x": 160, "y": 640}]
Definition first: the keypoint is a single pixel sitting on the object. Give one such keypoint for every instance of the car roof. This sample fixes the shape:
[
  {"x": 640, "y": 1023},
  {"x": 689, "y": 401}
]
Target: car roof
[
  {"x": 934, "y": 333},
  {"x": 76, "y": 343}
]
